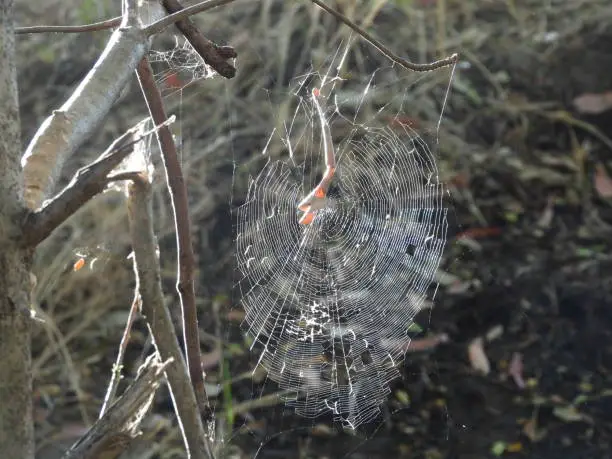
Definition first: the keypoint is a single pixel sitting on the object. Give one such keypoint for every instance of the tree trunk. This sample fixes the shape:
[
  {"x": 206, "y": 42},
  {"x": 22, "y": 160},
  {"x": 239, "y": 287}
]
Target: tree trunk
[{"x": 16, "y": 427}]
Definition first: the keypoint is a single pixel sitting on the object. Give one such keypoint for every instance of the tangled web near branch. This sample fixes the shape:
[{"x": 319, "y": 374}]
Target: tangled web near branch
[
  {"x": 330, "y": 302},
  {"x": 181, "y": 66}
]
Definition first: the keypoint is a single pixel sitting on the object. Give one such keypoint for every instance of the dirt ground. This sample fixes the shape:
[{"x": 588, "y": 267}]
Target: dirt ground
[{"x": 525, "y": 299}]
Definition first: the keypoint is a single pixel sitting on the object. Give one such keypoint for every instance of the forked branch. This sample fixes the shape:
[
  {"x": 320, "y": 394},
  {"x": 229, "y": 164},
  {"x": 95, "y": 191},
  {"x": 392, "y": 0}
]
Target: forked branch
[
  {"x": 146, "y": 268},
  {"x": 86, "y": 183},
  {"x": 186, "y": 259},
  {"x": 215, "y": 56},
  {"x": 67, "y": 129}
]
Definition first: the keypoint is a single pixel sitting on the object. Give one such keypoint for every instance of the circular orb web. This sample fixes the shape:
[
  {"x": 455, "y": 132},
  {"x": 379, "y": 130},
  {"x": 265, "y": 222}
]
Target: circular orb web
[{"x": 330, "y": 303}]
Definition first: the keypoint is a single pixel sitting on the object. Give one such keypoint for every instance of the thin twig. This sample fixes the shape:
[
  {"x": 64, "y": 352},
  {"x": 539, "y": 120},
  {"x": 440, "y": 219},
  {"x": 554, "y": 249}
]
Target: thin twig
[
  {"x": 95, "y": 27},
  {"x": 160, "y": 25},
  {"x": 146, "y": 269},
  {"x": 213, "y": 55},
  {"x": 186, "y": 259},
  {"x": 118, "y": 366},
  {"x": 383, "y": 49}
]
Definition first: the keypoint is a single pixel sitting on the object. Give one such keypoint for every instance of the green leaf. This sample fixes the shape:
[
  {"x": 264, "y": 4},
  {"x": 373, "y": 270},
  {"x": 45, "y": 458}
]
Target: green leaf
[
  {"x": 498, "y": 448},
  {"x": 414, "y": 328},
  {"x": 403, "y": 397}
]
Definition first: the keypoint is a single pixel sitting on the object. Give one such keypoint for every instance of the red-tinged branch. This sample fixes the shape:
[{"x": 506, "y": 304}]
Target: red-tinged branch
[{"x": 186, "y": 259}]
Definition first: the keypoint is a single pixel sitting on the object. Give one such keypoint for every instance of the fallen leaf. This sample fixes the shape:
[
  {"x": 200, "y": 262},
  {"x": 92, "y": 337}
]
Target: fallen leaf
[
  {"x": 322, "y": 430},
  {"x": 478, "y": 357},
  {"x": 498, "y": 448},
  {"x": 516, "y": 370},
  {"x": 593, "y": 104},
  {"x": 603, "y": 182},
  {"x": 479, "y": 233},
  {"x": 426, "y": 344},
  {"x": 533, "y": 432},
  {"x": 403, "y": 397},
  {"x": 568, "y": 413},
  {"x": 515, "y": 447},
  {"x": 547, "y": 215},
  {"x": 494, "y": 333}
]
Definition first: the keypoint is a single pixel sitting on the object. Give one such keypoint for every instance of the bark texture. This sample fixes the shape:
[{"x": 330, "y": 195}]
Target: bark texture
[{"x": 16, "y": 427}]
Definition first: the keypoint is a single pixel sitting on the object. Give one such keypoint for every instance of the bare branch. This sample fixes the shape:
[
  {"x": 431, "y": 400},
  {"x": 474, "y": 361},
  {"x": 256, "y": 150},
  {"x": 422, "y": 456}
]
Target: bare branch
[
  {"x": 186, "y": 259},
  {"x": 113, "y": 432},
  {"x": 213, "y": 55},
  {"x": 95, "y": 27},
  {"x": 383, "y": 49},
  {"x": 62, "y": 133},
  {"x": 85, "y": 184},
  {"x": 146, "y": 267},
  {"x": 139, "y": 157},
  {"x": 184, "y": 13}
]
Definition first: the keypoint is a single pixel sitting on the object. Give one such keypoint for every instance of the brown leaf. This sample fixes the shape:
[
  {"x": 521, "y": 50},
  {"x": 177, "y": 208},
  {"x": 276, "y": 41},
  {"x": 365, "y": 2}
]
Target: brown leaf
[
  {"x": 603, "y": 182},
  {"x": 593, "y": 104},
  {"x": 427, "y": 343},
  {"x": 533, "y": 432}
]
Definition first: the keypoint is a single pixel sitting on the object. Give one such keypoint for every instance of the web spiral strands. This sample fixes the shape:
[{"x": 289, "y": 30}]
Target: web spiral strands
[{"x": 329, "y": 303}]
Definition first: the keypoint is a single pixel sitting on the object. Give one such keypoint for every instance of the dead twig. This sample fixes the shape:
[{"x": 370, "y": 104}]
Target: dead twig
[
  {"x": 95, "y": 27},
  {"x": 146, "y": 268},
  {"x": 186, "y": 259},
  {"x": 85, "y": 184},
  {"x": 111, "y": 391},
  {"x": 113, "y": 432},
  {"x": 383, "y": 49}
]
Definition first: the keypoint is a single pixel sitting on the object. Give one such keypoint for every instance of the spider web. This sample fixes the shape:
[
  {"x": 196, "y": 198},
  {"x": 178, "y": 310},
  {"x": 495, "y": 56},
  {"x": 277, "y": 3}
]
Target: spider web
[
  {"x": 329, "y": 304},
  {"x": 180, "y": 66}
]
